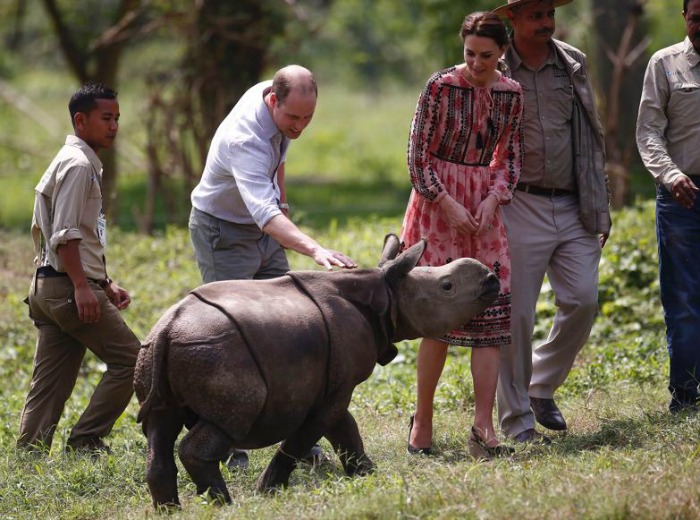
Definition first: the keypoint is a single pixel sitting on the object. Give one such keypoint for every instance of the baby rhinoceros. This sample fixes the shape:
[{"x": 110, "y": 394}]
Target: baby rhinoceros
[{"x": 249, "y": 363}]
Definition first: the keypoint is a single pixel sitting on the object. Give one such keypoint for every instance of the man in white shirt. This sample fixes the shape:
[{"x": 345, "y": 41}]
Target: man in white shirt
[{"x": 239, "y": 224}]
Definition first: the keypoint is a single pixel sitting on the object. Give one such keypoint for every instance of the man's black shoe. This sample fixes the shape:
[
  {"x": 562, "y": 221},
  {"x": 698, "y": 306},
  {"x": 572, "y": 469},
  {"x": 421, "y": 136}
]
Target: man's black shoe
[
  {"x": 315, "y": 456},
  {"x": 532, "y": 436},
  {"x": 677, "y": 407},
  {"x": 238, "y": 459},
  {"x": 547, "y": 413}
]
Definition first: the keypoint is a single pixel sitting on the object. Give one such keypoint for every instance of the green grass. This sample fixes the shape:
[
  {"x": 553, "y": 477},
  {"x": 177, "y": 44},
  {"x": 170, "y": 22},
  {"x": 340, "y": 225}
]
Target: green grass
[{"x": 624, "y": 456}]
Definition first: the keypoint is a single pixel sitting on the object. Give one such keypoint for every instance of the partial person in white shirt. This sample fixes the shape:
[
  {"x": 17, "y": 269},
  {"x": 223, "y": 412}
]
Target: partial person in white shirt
[{"x": 668, "y": 134}]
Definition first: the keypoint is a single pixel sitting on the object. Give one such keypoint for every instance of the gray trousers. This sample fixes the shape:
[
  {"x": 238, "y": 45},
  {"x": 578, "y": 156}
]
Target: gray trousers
[
  {"x": 61, "y": 345},
  {"x": 545, "y": 236},
  {"x": 228, "y": 251}
]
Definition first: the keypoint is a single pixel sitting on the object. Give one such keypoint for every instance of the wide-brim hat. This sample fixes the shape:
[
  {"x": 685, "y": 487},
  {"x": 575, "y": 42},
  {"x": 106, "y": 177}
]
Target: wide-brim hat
[{"x": 503, "y": 10}]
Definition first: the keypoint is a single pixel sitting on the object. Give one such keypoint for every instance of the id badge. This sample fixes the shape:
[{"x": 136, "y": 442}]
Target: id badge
[{"x": 102, "y": 230}]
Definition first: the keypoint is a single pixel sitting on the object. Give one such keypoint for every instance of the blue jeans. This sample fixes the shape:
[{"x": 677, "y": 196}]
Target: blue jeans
[{"x": 678, "y": 235}]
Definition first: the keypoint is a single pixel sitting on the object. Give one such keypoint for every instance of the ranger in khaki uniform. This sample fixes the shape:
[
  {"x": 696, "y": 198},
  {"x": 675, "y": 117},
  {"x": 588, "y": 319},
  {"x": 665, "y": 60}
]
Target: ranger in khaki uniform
[
  {"x": 73, "y": 303},
  {"x": 558, "y": 221}
]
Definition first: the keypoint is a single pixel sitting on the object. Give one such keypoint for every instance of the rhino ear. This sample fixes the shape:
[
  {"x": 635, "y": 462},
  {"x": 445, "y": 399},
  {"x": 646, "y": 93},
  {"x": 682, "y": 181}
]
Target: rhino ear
[
  {"x": 390, "y": 249},
  {"x": 405, "y": 261}
]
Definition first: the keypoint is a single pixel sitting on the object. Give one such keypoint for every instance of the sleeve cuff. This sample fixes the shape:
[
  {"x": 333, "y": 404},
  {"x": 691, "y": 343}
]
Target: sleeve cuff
[
  {"x": 670, "y": 178},
  {"x": 62, "y": 237}
]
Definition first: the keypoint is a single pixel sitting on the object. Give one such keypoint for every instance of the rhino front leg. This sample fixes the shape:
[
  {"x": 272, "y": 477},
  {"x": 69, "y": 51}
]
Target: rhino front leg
[
  {"x": 345, "y": 438},
  {"x": 201, "y": 450},
  {"x": 161, "y": 429}
]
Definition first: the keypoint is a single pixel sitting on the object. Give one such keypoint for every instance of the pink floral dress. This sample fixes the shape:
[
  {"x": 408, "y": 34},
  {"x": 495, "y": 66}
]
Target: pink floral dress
[{"x": 466, "y": 142}]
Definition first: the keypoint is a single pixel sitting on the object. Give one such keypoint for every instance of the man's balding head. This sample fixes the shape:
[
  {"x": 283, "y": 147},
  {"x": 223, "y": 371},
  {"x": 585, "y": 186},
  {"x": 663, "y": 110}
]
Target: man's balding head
[{"x": 293, "y": 78}]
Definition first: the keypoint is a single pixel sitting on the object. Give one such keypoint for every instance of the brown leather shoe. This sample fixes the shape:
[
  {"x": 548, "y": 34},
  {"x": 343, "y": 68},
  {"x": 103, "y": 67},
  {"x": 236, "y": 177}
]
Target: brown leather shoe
[
  {"x": 547, "y": 413},
  {"x": 532, "y": 436},
  {"x": 482, "y": 451}
]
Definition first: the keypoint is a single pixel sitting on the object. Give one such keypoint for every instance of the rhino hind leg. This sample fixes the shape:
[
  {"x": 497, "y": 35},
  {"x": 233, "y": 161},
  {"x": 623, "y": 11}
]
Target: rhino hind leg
[
  {"x": 276, "y": 475},
  {"x": 292, "y": 450},
  {"x": 345, "y": 438},
  {"x": 201, "y": 450},
  {"x": 161, "y": 429}
]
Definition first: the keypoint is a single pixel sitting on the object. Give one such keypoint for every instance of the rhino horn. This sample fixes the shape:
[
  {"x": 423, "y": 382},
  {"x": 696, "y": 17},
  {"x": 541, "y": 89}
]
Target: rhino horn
[{"x": 390, "y": 249}]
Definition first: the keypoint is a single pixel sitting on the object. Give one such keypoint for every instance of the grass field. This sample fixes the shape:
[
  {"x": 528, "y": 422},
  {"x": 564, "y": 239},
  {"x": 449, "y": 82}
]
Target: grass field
[{"x": 624, "y": 456}]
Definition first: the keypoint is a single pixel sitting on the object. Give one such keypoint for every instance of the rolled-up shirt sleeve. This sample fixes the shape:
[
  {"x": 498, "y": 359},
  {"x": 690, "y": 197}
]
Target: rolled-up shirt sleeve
[
  {"x": 73, "y": 188},
  {"x": 251, "y": 164},
  {"x": 652, "y": 124}
]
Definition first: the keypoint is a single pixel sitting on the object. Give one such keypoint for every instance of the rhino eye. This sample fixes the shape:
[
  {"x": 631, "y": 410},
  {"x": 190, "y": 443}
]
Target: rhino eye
[{"x": 447, "y": 285}]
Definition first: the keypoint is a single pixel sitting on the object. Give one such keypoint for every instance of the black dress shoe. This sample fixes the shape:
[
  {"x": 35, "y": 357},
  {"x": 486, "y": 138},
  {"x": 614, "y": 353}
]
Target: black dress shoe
[
  {"x": 532, "y": 436},
  {"x": 547, "y": 413},
  {"x": 316, "y": 456},
  {"x": 237, "y": 460},
  {"x": 412, "y": 450},
  {"x": 684, "y": 401}
]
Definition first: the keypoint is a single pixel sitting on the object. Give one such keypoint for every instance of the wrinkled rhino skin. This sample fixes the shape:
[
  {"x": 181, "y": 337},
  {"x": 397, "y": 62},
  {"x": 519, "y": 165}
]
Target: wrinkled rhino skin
[{"x": 247, "y": 364}]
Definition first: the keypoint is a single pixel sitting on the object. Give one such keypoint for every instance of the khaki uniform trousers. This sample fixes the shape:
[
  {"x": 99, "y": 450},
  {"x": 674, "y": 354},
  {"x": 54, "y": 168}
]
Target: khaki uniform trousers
[
  {"x": 545, "y": 236},
  {"x": 60, "y": 349}
]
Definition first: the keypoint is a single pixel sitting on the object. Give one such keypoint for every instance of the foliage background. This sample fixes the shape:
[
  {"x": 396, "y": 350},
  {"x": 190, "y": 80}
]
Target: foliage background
[{"x": 378, "y": 51}]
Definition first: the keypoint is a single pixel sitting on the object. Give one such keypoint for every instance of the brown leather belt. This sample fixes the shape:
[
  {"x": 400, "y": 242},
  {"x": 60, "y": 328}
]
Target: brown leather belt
[{"x": 545, "y": 192}]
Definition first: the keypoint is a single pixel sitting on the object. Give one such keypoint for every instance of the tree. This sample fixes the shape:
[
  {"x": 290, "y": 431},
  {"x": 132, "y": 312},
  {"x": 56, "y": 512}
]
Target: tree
[
  {"x": 621, "y": 42},
  {"x": 92, "y": 37},
  {"x": 226, "y": 50}
]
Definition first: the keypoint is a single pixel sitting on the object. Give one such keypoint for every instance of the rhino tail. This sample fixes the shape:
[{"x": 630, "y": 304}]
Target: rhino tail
[{"x": 158, "y": 346}]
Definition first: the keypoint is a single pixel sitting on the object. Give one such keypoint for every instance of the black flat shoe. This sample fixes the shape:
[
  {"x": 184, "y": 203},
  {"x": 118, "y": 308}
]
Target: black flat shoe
[
  {"x": 412, "y": 450},
  {"x": 480, "y": 450}
]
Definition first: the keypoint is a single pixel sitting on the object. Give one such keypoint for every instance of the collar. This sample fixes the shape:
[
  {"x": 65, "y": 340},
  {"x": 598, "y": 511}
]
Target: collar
[
  {"x": 269, "y": 129},
  {"x": 77, "y": 142},
  {"x": 552, "y": 59},
  {"x": 690, "y": 53}
]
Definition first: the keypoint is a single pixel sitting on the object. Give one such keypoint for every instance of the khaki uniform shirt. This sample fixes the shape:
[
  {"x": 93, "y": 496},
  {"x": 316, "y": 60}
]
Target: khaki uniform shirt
[
  {"x": 68, "y": 206},
  {"x": 668, "y": 127},
  {"x": 549, "y": 101}
]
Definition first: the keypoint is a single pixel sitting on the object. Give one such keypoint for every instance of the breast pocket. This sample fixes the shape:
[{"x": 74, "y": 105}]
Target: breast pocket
[
  {"x": 560, "y": 102},
  {"x": 685, "y": 99},
  {"x": 94, "y": 191}
]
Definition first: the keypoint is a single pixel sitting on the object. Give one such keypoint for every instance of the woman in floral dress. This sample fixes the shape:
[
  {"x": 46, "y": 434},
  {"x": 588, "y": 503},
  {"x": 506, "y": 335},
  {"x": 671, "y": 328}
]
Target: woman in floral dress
[{"x": 464, "y": 158}]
